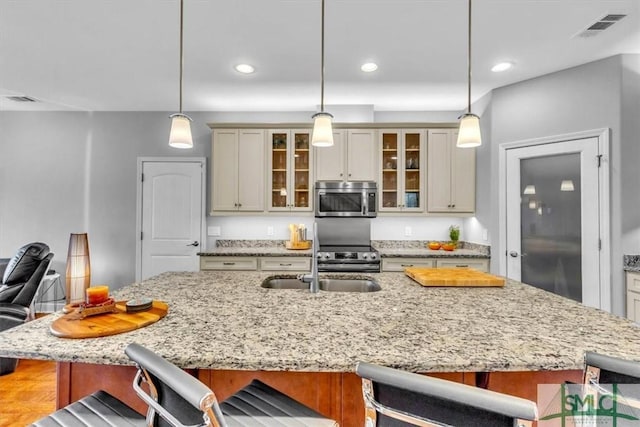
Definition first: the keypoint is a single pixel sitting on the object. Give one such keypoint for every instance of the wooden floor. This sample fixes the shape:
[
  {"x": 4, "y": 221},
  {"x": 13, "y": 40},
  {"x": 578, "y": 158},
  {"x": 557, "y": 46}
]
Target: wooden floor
[{"x": 27, "y": 394}]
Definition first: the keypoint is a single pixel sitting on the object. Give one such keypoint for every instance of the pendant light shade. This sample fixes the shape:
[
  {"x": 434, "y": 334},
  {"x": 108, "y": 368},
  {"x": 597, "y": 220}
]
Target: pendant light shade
[
  {"x": 180, "y": 135},
  {"x": 469, "y": 131},
  {"x": 322, "y": 135},
  {"x": 322, "y": 131}
]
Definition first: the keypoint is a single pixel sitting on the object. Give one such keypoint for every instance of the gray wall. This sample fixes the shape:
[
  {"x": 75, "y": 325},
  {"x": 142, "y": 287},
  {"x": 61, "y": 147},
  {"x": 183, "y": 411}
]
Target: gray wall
[
  {"x": 74, "y": 172},
  {"x": 581, "y": 98}
]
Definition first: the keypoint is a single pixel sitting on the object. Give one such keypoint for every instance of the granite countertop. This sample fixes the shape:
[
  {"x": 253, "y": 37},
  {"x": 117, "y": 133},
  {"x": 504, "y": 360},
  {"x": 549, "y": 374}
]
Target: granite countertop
[
  {"x": 225, "y": 320},
  {"x": 631, "y": 263},
  {"x": 387, "y": 249}
]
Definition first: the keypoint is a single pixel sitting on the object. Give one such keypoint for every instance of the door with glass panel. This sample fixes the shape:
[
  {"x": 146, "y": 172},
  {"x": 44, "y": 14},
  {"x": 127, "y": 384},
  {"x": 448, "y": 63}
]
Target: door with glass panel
[{"x": 553, "y": 237}]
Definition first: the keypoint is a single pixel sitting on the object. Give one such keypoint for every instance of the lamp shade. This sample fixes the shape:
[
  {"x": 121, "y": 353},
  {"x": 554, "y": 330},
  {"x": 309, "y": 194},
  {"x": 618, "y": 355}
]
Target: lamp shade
[
  {"x": 469, "y": 132},
  {"x": 78, "y": 272},
  {"x": 322, "y": 135},
  {"x": 180, "y": 136}
]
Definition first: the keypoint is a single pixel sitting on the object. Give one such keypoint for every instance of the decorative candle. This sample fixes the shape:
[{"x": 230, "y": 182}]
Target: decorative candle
[{"x": 97, "y": 294}]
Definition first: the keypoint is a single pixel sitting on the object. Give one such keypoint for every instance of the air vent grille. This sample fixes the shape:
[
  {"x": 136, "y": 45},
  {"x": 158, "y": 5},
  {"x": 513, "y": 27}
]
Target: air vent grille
[
  {"x": 21, "y": 99},
  {"x": 600, "y": 25}
]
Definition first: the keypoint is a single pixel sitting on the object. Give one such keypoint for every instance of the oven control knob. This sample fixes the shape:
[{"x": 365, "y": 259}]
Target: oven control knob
[
  {"x": 373, "y": 256},
  {"x": 327, "y": 256},
  {"x": 319, "y": 255},
  {"x": 365, "y": 256}
]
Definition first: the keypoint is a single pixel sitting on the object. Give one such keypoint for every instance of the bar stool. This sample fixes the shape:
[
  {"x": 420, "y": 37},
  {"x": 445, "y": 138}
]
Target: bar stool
[
  {"x": 396, "y": 398},
  {"x": 177, "y": 399}
]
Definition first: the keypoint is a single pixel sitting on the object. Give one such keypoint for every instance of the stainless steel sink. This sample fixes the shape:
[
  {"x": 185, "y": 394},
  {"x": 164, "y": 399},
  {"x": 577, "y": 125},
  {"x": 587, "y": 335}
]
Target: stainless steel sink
[
  {"x": 329, "y": 284},
  {"x": 349, "y": 285},
  {"x": 286, "y": 283}
]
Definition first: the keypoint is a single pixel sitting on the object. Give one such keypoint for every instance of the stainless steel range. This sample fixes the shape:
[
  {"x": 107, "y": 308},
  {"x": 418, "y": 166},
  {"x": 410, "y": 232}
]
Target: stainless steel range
[{"x": 345, "y": 245}]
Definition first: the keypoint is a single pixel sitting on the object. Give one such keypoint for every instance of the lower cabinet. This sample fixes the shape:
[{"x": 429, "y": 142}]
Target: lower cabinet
[
  {"x": 399, "y": 264},
  {"x": 250, "y": 263},
  {"x": 633, "y": 296},
  {"x": 478, "y": 264},
  {"x": 285, "y": 263},
  {"x": 229, "y": 263}
]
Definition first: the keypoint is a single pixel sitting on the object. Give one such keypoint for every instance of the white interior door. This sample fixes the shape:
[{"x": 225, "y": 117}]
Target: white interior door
[
  {"x": 172, "y": 216},
  {"x": 553, "y": 218}
]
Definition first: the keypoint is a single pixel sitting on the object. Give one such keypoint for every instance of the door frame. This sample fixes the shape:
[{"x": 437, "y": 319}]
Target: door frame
[
  {"x": 203, "y": 224},
  {"x": 602, "y": 136}
]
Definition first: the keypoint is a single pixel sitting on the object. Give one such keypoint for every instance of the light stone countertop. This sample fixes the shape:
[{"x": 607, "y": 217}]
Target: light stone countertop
[
  {"x": 225, "y": 320},
  {"x": 385, "y": 252}
]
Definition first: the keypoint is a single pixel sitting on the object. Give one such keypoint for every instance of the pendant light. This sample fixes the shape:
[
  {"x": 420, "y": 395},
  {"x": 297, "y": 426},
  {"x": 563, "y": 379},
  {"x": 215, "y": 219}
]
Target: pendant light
[
  {"x": 180, "y": 135},
  {"x": 322, "y": 135},
  {"x": 469, "y": 131}
]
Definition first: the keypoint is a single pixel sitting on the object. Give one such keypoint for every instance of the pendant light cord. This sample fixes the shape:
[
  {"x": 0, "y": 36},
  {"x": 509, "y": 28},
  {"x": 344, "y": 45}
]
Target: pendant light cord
[
  {"x": 181, "y": 55},
  {"x": 469, "y": 63},
  {"x": 322, "y": 62}
]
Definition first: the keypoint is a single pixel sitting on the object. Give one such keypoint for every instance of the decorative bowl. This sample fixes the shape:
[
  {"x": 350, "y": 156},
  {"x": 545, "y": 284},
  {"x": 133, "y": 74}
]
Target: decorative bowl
[
  {"x": 448, "y": 246},
  {"x": 434, "y": 245}
]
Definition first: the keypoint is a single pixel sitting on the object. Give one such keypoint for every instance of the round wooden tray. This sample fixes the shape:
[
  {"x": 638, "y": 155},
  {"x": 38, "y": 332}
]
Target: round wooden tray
[{"x": 73, "y": 326}]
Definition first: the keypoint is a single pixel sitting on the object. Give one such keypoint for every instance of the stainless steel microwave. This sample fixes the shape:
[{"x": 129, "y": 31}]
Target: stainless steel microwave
[{"x": 346, "y": 199}]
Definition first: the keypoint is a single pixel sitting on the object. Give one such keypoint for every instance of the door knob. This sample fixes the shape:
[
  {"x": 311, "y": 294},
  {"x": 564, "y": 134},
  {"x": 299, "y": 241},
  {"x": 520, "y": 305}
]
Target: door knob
[
  {"x": 513, "y": 254},
  {"x": 195, "y": 243}
]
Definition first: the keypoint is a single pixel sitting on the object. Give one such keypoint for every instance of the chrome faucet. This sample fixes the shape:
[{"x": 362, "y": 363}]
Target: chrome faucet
[{"x": 312, "y": 278}]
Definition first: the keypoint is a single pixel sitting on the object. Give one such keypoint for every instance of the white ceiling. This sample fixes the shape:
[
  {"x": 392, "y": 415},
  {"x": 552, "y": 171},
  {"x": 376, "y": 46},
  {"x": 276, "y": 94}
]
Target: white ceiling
[{"x": 122, "y": 55}]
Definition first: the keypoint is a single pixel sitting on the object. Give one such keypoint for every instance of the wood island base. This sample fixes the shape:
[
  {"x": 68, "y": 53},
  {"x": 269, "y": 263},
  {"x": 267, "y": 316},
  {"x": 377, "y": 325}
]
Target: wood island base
[{"x": 334, "y": 394}]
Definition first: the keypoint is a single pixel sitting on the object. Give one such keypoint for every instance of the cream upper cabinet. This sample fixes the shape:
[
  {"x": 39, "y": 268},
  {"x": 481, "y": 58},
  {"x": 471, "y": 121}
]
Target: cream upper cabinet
[
  {"x": 402, "y": 168},
  {"x": 237, "y": 170},
  {"x": 289, "y": 173},
  {"x": 451, "y": 173},
  {"x": 353, "y": 157}
]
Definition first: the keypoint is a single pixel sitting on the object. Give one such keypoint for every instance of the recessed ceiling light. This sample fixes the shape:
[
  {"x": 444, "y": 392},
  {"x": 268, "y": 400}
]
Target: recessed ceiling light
[
  {"x": 369, "y": 67},
  {"x": 502, "y": 66},
  {"x": 244, "y": 68}
]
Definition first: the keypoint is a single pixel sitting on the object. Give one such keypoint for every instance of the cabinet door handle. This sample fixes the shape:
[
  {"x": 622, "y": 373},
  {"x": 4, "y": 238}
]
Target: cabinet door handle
[
  {"x": 228, "y": 263},
  {"x": 341, "y": 174},
  {"x": 406, "y": 265},
  {"x": 349, "y": 174},
  {"x": 462, "y": 265},
  {"x": 285, "y": 265},
  {"x": 239, "y": 205}
]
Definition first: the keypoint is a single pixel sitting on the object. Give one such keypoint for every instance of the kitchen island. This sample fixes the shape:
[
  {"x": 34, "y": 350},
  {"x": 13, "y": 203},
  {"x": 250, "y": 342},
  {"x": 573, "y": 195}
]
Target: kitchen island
[{"x": 228, "y": 329}]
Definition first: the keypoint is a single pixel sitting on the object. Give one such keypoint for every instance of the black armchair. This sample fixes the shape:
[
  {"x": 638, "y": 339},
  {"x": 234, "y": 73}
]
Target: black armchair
[{"x": 21, "y": 277}]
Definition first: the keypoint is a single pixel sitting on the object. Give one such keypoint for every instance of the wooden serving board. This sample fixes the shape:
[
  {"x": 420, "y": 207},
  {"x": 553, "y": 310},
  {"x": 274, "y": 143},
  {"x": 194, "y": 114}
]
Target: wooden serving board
[
  {"x": 71, "y": 325},
  {"x": 452, "y": 277}
]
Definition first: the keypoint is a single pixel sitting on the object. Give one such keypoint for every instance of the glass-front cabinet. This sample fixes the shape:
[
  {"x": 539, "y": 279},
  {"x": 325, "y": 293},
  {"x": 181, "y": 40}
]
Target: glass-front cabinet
[
  {"x": 290, "y": 176},
  {"x": 402, "y": 170}
]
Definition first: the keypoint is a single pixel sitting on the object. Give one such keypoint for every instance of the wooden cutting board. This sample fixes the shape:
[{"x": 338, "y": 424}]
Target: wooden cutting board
[
  {"x": 452, "y": 277},
  {"x": 101, "y": 325}
]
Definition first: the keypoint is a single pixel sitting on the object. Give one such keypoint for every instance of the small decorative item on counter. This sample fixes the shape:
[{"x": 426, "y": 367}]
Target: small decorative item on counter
[
  {"x": 434, "y": 245},
  {"x": 97, "y": 294},
  {"x": 298, "y": 239},
  {"x": 448, "y": 246},
  {"x": 138, "y": 304},
  {"x": 106, "y": 306},
  {"x": 454, "y": 234}
]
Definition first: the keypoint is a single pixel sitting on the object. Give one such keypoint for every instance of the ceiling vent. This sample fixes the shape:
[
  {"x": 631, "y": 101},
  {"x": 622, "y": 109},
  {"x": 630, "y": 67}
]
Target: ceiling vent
[
  {"x": 600, "y": 25},
  {"x": 21, "y": 99}
]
